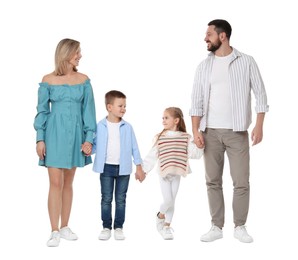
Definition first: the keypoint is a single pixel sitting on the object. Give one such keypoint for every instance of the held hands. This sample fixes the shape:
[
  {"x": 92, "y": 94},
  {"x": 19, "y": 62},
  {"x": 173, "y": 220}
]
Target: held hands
[
  {"x": 41, "y": 149},
  {"x": 86, "y": 148},
  {"x": 140, "y": 174},
  {"x": 199, "y": 140}
]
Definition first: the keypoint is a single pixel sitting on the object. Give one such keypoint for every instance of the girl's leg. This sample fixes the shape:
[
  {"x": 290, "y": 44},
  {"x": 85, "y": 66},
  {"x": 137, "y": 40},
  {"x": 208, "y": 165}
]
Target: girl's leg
[
  {"x": 175, "y": 182},
  {"x": 55, "y": 196},
  {"x": 67, "y": 195},
  {"x": 169, "y": 192}
]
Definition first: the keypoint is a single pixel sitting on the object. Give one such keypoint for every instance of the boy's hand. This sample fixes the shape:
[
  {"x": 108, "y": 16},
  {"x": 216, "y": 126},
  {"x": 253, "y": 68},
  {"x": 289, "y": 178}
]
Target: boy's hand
[
  {"x": 140, "y": 175},
  {"x": 86, "y": 148}
]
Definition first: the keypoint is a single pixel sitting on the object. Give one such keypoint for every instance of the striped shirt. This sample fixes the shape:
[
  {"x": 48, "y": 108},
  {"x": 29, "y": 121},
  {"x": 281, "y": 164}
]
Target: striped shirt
[
  {"x": 173, "y": 154},
  {"x": 244, "y": 76}
]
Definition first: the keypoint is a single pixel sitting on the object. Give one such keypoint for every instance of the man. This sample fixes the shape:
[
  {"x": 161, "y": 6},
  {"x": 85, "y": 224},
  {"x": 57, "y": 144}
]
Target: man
[{"x": 221, "y": 114}]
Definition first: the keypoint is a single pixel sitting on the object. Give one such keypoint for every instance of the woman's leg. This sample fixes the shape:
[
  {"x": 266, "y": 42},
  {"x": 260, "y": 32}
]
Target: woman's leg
[
  {"x": 67, "y": 195},
  {"x": 55, "y": 196}
]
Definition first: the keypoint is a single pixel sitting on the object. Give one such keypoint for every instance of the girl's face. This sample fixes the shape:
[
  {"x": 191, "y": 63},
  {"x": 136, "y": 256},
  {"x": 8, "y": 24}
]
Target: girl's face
[
  {"x": 169, "y": 122},
  {"x": 74, "y": 61}
]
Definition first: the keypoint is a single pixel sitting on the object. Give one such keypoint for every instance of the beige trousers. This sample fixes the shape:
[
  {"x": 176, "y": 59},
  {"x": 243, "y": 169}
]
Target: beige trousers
[{"x": 236, "y": 145}]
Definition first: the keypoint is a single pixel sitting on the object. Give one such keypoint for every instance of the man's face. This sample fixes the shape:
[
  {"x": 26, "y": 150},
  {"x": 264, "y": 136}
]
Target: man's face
[{"x": 212, "y": 39}]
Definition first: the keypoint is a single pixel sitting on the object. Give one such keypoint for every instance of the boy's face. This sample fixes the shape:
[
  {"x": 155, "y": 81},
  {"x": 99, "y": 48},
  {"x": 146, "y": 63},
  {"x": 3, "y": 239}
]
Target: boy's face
[{"x": 118, "y": 108}]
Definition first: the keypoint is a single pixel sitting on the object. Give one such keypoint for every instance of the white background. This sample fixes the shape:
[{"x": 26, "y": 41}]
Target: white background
[{"x": 149, "y": 50}]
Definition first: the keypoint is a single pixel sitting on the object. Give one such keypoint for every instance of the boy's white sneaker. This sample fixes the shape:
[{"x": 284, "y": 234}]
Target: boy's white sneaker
[
  {"x": 241, "y": 234},
  {"x": 105, "y": 234},
  {"x": 167, "y": 233},
  {"x": 54, "y": 239},
  {"x": 213, "y": 234},
  {"x": 67, "y": 234},
  {"x": 118, "y": 234}
]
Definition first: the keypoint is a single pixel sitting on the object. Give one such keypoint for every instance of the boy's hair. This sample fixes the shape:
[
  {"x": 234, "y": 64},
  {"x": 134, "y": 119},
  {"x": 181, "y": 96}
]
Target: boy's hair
[
  {"x": 222, "y": 26},
  {"x": 111, "y": 95}
]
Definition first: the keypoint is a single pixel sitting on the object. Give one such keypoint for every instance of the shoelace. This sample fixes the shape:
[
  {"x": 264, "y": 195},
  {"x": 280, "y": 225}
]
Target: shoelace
[{"x": 54, "y": 236}]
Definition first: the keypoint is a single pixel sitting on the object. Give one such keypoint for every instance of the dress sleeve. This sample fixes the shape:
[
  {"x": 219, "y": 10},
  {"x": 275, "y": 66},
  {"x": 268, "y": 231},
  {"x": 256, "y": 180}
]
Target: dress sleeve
[
  {"x": 89, "y": 115},
  {"x": 43, "y": 110},
  {"x": 193, "y": 151}
]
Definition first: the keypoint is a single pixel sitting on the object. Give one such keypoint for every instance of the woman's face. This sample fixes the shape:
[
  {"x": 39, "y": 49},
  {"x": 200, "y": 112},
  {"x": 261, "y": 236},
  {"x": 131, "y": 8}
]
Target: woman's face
[{"x": 75, "y": 60}]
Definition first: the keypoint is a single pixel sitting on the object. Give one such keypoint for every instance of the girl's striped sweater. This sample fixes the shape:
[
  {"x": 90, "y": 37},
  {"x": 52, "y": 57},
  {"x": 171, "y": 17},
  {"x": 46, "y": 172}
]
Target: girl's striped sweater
[{"x": 173, "y": 154}]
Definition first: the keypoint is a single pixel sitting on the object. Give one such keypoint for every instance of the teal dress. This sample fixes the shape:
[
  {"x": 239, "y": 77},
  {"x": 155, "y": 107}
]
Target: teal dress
[{"x": 65, "y": 120}]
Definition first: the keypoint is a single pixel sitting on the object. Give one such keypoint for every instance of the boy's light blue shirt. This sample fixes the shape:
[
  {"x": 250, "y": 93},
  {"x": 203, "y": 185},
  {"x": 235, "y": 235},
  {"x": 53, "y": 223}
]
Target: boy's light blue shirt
[{"x": 128, "y": 147}]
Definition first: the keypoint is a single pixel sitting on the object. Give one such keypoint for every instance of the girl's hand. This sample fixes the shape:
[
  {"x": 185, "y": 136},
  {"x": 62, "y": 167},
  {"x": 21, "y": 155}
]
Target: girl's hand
[{"x": 41, "y": 149}]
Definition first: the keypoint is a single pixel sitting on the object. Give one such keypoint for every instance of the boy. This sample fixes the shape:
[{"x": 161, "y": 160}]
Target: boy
[{"x": 114, "y": 146}]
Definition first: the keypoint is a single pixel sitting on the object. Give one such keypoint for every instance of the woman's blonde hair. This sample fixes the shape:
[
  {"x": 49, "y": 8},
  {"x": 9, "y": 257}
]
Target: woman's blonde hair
[{"x": 65, "y": 50}]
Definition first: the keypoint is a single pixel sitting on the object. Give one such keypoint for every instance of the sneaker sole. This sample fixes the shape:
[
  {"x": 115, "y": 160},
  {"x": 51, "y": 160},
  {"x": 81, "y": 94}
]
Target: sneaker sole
[
  {"x": 243, "y": 240},
  {"x": 206, "y": 240},
  {"x": 69, "y": 239},
  {"x": 119, "y": 238},
  {"x": 104, "y": 239}
]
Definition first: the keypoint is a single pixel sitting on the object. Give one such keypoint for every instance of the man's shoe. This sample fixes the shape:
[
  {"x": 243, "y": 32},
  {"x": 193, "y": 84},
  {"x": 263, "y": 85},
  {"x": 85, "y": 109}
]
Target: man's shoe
[
  {"x": 54, "y": 239},
  {"x": 213, "y": 234},
  {"x": 67, "y": 234},
  {"x": 105, "y": 234},
  {"x": 241, "y": 234}
]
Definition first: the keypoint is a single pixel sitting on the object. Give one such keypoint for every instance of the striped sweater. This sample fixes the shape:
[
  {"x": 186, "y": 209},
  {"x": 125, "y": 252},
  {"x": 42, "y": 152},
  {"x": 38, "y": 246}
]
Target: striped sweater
[{"x": 173, "y": 154}]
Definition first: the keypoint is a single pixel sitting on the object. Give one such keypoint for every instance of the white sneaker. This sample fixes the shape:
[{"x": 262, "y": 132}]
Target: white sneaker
[
  {"x": 241, "y": 234},
  {"x": 67, "y": 234},
  {"x": 118, "y": 234},
  {"x": 167, "y": 233},
  {"x": 54, "y": 239},
  {"x": 213, "y": 234},
  {"x": 159, "y": 223},
  {"x": 105, "y": 234}
]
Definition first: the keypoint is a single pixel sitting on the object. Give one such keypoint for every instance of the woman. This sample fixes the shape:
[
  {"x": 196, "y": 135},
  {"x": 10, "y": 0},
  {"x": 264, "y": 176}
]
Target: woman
[{"x": 65, "y": 121}]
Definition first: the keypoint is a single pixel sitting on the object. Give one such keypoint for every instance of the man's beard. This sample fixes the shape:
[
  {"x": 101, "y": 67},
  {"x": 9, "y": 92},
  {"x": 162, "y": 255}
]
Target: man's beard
[{"x": 214, "y": 46}]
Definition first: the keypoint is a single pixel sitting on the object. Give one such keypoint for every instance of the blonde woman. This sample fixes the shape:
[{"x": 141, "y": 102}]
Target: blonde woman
[{"x": 65, "y": 121}]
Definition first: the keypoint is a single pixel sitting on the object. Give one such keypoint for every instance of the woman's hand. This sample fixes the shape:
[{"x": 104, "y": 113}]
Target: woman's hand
[{"x": 41, "y": 149}]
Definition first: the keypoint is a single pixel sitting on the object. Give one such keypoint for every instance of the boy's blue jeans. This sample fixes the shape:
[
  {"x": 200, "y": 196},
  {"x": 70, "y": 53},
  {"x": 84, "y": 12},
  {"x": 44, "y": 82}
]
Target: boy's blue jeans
[{"x": 109, "y": 180}]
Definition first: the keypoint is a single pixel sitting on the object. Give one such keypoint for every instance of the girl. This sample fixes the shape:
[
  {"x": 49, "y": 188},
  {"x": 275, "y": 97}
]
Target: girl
[{"x": 172, "y": 148}]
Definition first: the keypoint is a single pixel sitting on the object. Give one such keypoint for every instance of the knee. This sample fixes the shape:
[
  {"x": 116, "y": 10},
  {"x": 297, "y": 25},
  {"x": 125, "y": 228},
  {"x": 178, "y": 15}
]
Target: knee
[
  {"x": 241, "y": 188},
  {"x": 56, "y": 184},
  {"x": 106, "y": 198},
  {"x": 168, "y": 203},
  {"x": 121, "y": 199}
]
